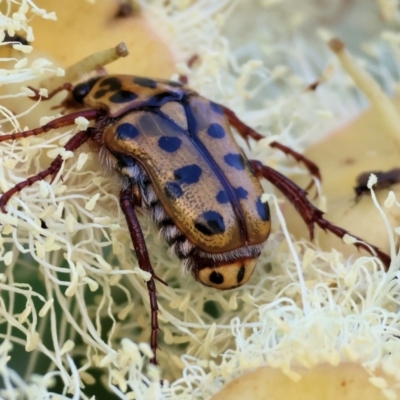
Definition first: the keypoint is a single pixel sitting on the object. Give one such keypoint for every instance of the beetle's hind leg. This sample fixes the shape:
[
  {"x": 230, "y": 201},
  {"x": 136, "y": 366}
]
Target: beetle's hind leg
[
  {"x": 74, "y": 143},
  {"x": 310, "y": 214},
  {"x": 128, "y": 208},
  {"x": 246, "y": 131}
]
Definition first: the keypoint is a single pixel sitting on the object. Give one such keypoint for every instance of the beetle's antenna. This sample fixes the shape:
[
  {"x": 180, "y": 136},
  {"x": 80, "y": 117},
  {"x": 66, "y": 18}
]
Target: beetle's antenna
[{"x": 89, "y": 64}]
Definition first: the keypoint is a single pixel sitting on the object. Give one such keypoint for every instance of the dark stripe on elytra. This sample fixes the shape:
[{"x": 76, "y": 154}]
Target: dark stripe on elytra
[
  {"x": 235, "y": 161},
  {"x": 126, "y": 131},
  {"x": 192, "y": 129},
  {"x": 145, "y": 82},
  {"x": 210, "y": 223},
  {"x": 216, "y": 131},
  {"x": 263, "y": 210},
  {"x": 170, "y": 144}
]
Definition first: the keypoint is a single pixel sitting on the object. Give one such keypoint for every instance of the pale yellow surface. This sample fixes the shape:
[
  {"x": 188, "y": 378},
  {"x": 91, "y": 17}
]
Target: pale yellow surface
[
  {"x": 357, "y": 147},
  {"x": 325, "y": 382},
  {"x": 83, "y": 28}
]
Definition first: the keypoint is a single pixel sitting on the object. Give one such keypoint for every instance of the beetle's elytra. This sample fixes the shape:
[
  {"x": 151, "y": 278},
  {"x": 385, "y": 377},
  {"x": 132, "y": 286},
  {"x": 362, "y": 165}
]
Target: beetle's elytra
[{"x": 177, "y": 157}]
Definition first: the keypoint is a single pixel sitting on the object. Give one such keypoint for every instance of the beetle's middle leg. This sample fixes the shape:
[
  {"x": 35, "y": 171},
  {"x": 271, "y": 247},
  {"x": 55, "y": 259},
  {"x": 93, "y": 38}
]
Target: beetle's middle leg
[
  {"x": 246, "y": 131},
  {"x": 128, "y": 208},
  {"x": 310, "y": 214},
  {"x": 73, "y": 144}
]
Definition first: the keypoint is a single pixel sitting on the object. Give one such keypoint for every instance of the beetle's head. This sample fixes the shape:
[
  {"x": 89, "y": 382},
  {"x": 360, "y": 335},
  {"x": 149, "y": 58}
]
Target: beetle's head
[{"x": 226, "y": 276}]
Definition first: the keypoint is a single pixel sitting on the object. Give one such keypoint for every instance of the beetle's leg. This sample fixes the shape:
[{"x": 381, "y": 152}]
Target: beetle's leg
[
  {"x": 128, "y": 208},
  {"x": 310, "y": 214},
  {"x": 66, "y": 86},
  {"x": 76, "y": 141},
  {"x": 57, "y": 123},
  {"x": 246, "y": 131}
]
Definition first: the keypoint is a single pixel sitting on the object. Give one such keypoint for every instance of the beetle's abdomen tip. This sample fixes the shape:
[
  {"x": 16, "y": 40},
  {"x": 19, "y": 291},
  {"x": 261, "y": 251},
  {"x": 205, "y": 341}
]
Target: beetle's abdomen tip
[{"x": 227, "y": 276}]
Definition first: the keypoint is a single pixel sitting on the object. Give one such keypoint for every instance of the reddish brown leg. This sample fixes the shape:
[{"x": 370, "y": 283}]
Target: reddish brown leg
[
  {"x": 57, "y": 123},
  {"x": 310, "y": 214},
  {"x": 126, "y": 200},
  {"x": 245, "y": 131},
  {"x": 66, "y": 86},
  {"x": 76, "y": 141}
]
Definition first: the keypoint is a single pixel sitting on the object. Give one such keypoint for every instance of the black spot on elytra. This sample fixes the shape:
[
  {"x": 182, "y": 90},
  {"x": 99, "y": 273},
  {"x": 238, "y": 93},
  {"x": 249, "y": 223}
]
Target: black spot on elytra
[
  {"x": 126, "y": 131},
  {"x": 235, "y": 161},
  {"x": 222, "y": 197},
  {"x": 216, "y": 278},
  {"x": 241, "y": 192},
  {"x": 123, "y": 96},
  {"x": 210, "y": 223},
  {"x": 216, "y": 131},
  {"x": 240, "y": 274},
  {"x": 263, "y": 210},
  {"x": 188, "y": 174},
  {"x": 145, "y": 82},
  {"x": 173, "y": 190},
  {"x": 108, "y": 85},
  {"x": 170, "y": 144},
  {"x": 216, "y": 108}
]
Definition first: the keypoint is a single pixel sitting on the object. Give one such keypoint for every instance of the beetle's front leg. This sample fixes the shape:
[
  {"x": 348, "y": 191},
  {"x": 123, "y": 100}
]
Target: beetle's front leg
[
  {"x": 74, "y": 143},
  {"x": 310, "y": 214},
  {"x": 61, "y": 122},
  {"x": 37, "y": 96},
  {"x": 246, "y": 131},
  {"x": 128, "y": 208}
]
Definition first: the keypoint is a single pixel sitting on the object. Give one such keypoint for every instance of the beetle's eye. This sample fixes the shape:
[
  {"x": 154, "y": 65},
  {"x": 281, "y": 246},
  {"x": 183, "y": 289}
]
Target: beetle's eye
[
  {"x": 227, "y": 276},
  {"x": 82, "y": 89}
]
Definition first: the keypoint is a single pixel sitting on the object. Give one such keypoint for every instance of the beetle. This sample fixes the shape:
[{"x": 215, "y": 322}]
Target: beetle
[
  {"x": 177, "y": 157},
  {"x": 385, "y": 180}
]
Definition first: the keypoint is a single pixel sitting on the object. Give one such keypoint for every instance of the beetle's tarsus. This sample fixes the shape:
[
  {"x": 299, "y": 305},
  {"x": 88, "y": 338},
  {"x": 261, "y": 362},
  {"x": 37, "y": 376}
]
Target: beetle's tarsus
[
  {"x": 311, "y": 215},
  {"x": 74, "y": 143},
  {"x": 66, "y": 86},
  {"x": 128, "y": 208}
]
